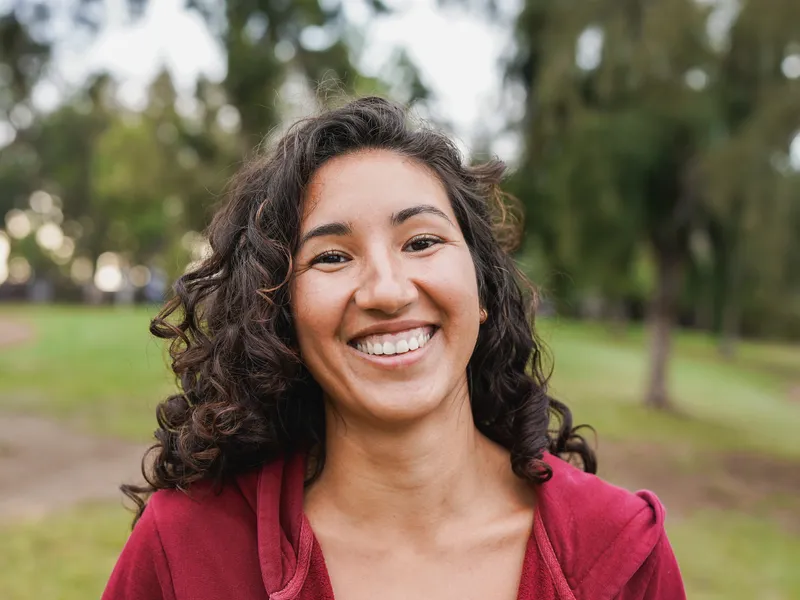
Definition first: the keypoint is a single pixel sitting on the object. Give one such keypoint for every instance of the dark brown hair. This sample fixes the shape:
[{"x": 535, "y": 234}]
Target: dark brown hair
[{"x": 246, "y": 396}]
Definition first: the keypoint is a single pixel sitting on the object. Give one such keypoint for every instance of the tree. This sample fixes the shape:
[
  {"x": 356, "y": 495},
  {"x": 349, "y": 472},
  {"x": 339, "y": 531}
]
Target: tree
[
  {"x": 747, "y": 174},
  {"x": 135, "y": 183},
  {"x": 266, "y": 41},
  {"x": 628, "y": 106}
]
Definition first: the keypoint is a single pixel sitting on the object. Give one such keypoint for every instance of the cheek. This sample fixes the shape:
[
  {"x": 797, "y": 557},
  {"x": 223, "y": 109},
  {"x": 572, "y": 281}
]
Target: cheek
[
  {"x": 455, "y": 284},
  {"x": 317, "y": 306}
]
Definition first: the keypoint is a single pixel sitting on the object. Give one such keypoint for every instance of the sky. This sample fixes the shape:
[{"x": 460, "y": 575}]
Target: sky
[{"x": 457, "y": 53}]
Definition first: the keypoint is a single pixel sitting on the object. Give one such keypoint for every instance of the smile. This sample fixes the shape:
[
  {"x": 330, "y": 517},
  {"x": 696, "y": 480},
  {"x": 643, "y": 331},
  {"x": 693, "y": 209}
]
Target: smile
[{"x": 400, "y": 342}]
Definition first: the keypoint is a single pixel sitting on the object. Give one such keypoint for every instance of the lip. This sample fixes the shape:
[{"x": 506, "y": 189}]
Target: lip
[
  {"x": 396, "y": 361},
  {"x": 390, "y": 327}
]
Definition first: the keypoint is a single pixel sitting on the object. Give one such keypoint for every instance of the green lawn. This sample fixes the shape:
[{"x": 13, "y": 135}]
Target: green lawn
[
  {"x": 727, "y": 556},
  {"x": 99, "y": 370},
  {"x": 738, "y": 404},
  {"x": 67, "y": 556}
]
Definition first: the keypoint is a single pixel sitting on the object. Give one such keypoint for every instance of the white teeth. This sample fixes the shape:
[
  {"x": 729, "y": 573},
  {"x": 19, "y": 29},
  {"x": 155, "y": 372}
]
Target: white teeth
[{"x": 399, "y": 345}]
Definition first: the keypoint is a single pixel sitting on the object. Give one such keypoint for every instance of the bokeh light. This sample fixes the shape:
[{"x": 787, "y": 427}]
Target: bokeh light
[
  {"x": 18, "y": 224},
  {"x": 63, "y": 253},
  {"x": 5, "y": 249},
  {"x": 81, "y": 270},
  {"x": 139, "y": 276},
  {"x": 49, "y": 236},
  {"x": 108, "y": 275},
  {"x": 41, "y": 202},
  {"x": 791, "y": 66},
  {"x": 19, "y": 270},
  {"x": 794, "y": 152}
]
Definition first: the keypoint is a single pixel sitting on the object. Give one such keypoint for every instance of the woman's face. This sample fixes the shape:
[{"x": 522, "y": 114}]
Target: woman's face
[{"x": 385, "y": 298}]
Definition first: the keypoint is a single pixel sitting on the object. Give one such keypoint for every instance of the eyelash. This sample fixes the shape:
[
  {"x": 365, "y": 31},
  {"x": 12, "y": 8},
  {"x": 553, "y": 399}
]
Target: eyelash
[
  {"x": 425, "y": 237},
  {"x": 320, "y": 258}
]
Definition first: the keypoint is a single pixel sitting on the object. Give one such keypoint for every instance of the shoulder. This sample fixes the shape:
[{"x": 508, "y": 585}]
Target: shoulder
[
  {"x": 576, "y": 498},
  {"x": 601, "y": 533},
  {"x": 205, "y": 510}
]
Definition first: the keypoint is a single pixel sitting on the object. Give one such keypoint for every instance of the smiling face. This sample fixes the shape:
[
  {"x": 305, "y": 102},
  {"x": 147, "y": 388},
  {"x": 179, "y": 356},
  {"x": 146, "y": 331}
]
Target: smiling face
[{"x": 384, "y": 298}]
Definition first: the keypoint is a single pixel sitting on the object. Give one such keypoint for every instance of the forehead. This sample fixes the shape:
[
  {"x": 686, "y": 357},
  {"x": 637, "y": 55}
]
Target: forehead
[{"x": 371, "y": 184}]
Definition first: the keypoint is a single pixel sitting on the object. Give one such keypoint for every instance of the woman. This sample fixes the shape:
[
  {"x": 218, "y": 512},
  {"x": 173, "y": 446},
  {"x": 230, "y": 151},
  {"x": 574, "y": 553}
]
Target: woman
[{"x": 363, "y": 411}]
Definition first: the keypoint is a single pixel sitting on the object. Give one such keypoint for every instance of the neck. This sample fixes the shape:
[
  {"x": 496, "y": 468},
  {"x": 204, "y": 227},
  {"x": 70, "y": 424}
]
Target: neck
[{"x": 418, "y": 477}]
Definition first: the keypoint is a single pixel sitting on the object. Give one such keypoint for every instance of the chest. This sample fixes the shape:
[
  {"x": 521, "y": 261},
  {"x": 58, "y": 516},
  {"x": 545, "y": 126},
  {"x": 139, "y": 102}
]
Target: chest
[{"x": 451, "y": 573}]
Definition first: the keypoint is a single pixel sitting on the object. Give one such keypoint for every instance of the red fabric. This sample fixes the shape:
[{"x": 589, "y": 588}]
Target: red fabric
[{"x": 250, "y": 540}]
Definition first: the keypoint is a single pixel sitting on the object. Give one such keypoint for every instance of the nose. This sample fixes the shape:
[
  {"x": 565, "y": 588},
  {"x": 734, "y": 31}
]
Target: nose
[{"x": 385, "y": 285}]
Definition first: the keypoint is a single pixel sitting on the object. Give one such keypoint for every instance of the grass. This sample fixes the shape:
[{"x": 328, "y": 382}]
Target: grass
[
  {"x": 740, "y": 404},
  {"x": 98, "y": 369},
  {"x": 725, "y": 555},
  {"x": 65, "y": 556}
]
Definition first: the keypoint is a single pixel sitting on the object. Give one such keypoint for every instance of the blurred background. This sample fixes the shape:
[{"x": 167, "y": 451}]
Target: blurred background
[{"x": 655, "y": 146}]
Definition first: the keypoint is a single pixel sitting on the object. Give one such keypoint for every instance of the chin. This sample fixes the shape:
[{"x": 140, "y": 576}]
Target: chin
[{"x": 398, "y": 407}]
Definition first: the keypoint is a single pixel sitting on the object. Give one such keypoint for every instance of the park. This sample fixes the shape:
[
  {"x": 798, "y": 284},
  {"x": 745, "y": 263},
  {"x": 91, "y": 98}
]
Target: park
[{"x": 652, "y": 188}]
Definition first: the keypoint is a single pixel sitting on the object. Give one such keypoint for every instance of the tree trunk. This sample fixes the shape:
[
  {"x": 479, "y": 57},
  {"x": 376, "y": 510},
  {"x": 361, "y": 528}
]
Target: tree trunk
[{"x": 661, "y": 322}]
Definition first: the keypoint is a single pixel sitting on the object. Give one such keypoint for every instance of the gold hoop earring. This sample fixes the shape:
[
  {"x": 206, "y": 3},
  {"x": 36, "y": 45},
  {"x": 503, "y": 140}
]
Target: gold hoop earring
[{"x": 483, "y": 315}]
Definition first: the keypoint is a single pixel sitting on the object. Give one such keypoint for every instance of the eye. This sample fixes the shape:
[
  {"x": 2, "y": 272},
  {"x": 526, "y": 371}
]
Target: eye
[
  {"x": 329, "y": 257},
  {"x": 422, "y": 242}
]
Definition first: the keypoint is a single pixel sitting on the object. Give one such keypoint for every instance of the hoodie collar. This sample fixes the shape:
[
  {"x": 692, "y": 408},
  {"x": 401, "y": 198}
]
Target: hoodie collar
[
  {"x": 593, "y": 536},
  {"x": 285, "y": 539}
]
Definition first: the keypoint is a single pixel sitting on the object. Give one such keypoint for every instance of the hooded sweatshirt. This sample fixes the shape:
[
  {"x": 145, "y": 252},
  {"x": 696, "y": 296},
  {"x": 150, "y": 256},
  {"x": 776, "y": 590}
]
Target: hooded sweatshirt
[{"x": 250, "y": 540}]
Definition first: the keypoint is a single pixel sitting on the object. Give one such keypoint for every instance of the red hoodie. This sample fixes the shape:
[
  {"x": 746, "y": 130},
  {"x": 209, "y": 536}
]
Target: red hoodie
[{"x": 590, "y": 541}]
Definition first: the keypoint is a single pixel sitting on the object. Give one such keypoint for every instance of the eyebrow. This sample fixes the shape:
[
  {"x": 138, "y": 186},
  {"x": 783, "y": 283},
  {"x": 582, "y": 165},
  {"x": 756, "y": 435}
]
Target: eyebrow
[
  {"x": 404, "y": 215},
  {"x": 341, "y": 229},
  {"x": 337, "y": 228}
]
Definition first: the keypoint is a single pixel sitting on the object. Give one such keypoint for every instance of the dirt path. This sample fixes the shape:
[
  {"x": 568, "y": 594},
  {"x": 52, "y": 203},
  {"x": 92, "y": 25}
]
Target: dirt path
[
  {"x": 686, "y": 480},
  {"x": 14, "y": 332},
  {"x": 44, "y": 467}
]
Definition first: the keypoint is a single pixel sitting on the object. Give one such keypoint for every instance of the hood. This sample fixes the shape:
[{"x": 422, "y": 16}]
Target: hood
[
  {"x": 593, "y": 534},
  {"x": 285, "y": 539}
]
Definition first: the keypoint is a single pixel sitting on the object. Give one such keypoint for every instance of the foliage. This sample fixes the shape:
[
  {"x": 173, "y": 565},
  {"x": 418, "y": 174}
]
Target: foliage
[
  {"x": 652, "y": 131},
  {"x": 668, "y": 141},
  {"x": 141, "y": 184}
]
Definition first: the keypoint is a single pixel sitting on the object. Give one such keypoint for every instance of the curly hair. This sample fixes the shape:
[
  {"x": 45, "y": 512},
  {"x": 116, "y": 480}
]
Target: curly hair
[{"x": 246, "y": 396}]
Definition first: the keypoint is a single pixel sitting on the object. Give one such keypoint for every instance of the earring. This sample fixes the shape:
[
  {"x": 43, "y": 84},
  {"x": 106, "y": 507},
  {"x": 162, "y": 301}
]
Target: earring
[{"x": 483, "y": 315}]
